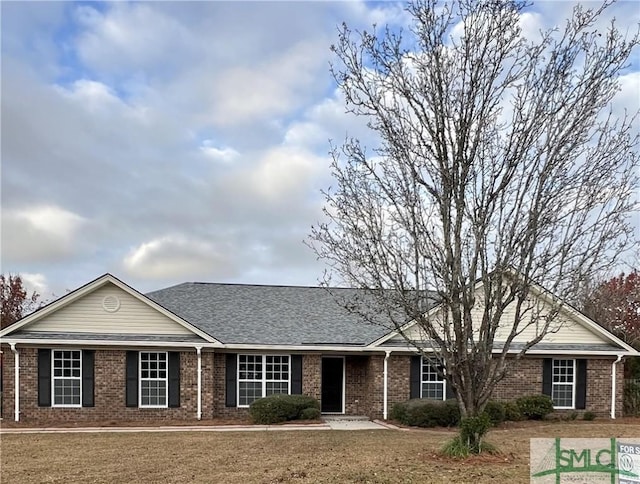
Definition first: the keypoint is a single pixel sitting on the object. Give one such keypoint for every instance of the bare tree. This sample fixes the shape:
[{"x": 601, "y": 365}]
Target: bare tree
[{"x": 500, "y": 164}]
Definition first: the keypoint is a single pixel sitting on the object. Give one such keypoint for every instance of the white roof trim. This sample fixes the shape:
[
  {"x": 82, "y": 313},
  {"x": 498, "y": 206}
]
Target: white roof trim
[
  {"x": 89, "y": 343},
  {"x": 576, "y": 315},
  {"x": 400, "y": 330},
  {"x": 315, "y": 347},
  {"x": 89, "y": 288},
  {"x": 582, "y": 319},
  {"x": 204, "y": 345}
]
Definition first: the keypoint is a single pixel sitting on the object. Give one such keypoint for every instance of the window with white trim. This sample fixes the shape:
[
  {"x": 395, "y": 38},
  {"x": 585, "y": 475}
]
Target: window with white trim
[
  {"x": 262, "y": 375},
  {"x": 563, "y": 383},
  {"x": 67, "y": 378},
  {"x": 154, "y": 385},
  {"x": 433, "y": 384}
]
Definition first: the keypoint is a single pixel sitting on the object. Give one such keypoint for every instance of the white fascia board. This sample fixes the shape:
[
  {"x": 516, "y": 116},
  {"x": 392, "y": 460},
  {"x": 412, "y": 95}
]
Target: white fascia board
[
  {"x": 573, "y": 352},
  {"x": 94, "y": 343},
  {"x": 230, "y": 347},
  {"x": 402, "y": 328}
]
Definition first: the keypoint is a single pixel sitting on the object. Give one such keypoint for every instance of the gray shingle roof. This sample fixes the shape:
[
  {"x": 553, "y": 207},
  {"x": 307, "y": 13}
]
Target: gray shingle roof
[{"x": 253, "y": 314}]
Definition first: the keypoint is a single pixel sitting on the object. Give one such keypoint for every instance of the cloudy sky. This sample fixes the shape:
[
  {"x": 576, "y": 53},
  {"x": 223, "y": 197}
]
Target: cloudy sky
[{"x": 174, "y": 141}]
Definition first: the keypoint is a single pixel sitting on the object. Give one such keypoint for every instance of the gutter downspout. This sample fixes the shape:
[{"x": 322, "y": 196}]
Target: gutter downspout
[
  {"x": 16, "y": 382},
  {"x": 199, "y": 411},
  {"x": 613, "y": 387},
  {"x": 385, "y": 385}
]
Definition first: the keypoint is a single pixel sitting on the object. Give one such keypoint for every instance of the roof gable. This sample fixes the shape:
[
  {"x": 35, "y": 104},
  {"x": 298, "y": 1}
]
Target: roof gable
[
  {"x": 571, "y": 326},
  {"x": 105, "y": 306}
]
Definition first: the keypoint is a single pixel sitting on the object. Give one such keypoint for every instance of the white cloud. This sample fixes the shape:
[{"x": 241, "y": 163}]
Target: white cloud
[
  {"x": 224, "y": 155},
  {"x": 41, "y": 233},
  {"x": 128, "y": 38},
  {"x": 629, "y": 96},
  {"x": 35, "y": 282},
  {"x": 178, "y": 256},
  {"x": 531, "y": 24},
  {"x": 92, "y": 95},
  {"x": 379, "y": 13},
  {"x": 175, "y": 140},
  {"x": 270, "y": 87},
  {"x": 285, "y": 173},
  {"x": 325, "y": 121}
]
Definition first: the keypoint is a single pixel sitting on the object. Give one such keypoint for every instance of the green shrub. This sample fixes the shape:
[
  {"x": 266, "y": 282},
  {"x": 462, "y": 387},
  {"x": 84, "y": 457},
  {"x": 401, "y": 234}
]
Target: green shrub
[
  {"x": 632, "y": 396},
  {"x": 535, "y": 407},
  {"x": 422, "y": 412},
  {"x": 495, "y": 411},
  {"x": 473, "y": 430},
  {"x": 280, "y": 408},
  {"x": 512, "y": 412},
  {"x": 399, "y": 412},
  {"x": 310, "y": 413},
  {"x": 588, "y": 416},
  {"x": 457, "y": 448}
]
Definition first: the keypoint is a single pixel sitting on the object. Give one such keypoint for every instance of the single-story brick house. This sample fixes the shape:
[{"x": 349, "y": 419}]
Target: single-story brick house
[{"x": 201, "y": 351}]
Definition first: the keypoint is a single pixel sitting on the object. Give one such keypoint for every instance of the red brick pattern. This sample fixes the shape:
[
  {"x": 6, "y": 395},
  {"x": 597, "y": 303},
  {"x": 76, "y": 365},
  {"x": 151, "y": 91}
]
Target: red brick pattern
[
  {"x": 357, "y": 397},
  {"x": 524, "y": 377},
  {"x": 364, "y": 386},
  {"x": 311, "y": 373},
  {"x": 109, "y": 390}
]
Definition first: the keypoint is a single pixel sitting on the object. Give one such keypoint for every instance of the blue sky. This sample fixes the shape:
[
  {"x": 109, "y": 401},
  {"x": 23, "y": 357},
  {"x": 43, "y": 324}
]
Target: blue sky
[{"x": 173, "y": 141}]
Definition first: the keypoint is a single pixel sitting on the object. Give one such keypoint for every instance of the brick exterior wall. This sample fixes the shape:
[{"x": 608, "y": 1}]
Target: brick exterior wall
[
  {"x": 364, "y": 386},
  {"x": 397, "y": 384},
  {"x": 524, "y": 377},
  {"x": 109, "y": 390},
  {"x": 356, "y": 398},
  {"x": 311, "y": 375}
]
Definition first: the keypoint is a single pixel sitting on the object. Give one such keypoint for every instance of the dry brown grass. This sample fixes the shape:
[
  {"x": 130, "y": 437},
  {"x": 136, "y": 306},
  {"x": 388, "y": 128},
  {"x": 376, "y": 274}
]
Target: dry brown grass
[{"x": 279, "y": 457}]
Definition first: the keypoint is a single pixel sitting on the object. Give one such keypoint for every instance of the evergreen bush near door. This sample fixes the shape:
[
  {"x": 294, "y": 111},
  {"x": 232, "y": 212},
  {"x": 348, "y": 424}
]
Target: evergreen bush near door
[{"x": 281, "y": 408}]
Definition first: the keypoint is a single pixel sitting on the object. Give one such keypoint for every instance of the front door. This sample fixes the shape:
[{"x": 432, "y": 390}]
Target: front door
[{"x": 332, "y": 384}]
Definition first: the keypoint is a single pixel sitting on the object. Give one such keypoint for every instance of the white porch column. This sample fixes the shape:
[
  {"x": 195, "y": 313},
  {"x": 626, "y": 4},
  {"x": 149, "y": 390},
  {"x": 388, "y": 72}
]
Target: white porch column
[
  {"x": 199, "y": 412},
  {"x": 385, "y": 385},
  {"x": 16, "y": 382},
  {"x": 613, "y": 386}
]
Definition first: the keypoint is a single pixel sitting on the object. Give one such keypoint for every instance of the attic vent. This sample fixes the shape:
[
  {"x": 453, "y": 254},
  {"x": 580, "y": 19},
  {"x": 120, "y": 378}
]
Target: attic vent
[{"x": 111, "y": 303}]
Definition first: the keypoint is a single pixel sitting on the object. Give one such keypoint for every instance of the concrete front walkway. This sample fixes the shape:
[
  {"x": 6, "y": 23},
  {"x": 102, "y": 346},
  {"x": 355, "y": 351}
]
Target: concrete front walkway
[
  {"x": 344, "y": 422},
  {"x": 330, "y": 423}
]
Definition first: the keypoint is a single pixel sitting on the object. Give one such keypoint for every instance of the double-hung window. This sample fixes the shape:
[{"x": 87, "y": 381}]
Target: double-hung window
[
  {"x": 563, "y": 383},
  {"x": 433, "y": 384},
  {"x": 262, "y": 375},
  {"x": 67, "y": 378},
  {"x": 153, "y": 379}
]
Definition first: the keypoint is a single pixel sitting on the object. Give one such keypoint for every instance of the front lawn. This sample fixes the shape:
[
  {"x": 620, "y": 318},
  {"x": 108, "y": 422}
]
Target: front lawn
[{"x": 384, "y": 456}]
